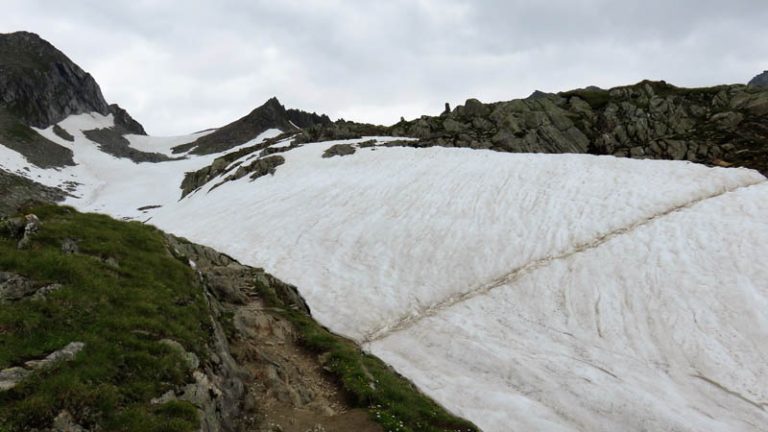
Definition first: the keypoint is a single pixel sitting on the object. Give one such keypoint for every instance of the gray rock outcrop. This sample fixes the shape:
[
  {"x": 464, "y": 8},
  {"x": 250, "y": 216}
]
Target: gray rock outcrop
[
  {"x": 11, "y": 377},
  {"x": 760, "y": 80},
  {"x": 717, "y": 125}
]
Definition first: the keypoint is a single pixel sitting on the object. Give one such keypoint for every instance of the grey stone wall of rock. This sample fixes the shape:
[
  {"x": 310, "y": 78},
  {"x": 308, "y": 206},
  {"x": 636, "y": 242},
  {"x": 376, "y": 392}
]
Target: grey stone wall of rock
[{"x": 40, "y": 85}]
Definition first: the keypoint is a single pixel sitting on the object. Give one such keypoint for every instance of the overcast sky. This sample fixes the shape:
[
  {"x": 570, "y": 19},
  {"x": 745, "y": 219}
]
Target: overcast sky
[{"x": 181, "y": 66}]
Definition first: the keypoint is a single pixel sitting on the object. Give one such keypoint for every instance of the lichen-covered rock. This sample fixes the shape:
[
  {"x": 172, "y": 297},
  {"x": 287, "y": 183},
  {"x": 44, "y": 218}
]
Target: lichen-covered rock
[
  {"x": 31, "y": 226},
  {"x": 339, "y": 150}
]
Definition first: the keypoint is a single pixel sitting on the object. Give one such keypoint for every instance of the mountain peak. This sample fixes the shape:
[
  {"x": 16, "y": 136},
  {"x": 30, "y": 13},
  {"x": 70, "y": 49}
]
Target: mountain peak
[
  {"x": 42, "y": 86},
  {"x": 270, "y": 115}
]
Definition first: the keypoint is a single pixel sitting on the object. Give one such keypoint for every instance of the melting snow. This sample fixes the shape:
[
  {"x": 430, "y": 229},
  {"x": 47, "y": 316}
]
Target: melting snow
[{"x": 523, "y": 292}]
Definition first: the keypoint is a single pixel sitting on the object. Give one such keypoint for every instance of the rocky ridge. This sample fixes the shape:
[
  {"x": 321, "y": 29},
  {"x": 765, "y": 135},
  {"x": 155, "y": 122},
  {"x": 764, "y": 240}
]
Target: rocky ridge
[
  {"x": 723, "y": 125},
  {"x": 271, "y": 115}
]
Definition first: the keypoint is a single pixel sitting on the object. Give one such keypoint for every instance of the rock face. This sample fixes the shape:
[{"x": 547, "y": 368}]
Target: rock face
[
  {"x": 40, "y": 85},
  {"x": 760, "y": 80},
  {"x": 717, "y": 125}
]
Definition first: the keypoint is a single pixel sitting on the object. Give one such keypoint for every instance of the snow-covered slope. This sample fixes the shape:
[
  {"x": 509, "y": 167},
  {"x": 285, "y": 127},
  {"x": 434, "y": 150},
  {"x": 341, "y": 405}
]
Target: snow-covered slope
[{"x": 524, "y": 292}]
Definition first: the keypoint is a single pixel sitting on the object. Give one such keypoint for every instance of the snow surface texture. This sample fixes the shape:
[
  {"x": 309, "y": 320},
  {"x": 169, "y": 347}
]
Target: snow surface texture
[{"x": 523, "y": 292}]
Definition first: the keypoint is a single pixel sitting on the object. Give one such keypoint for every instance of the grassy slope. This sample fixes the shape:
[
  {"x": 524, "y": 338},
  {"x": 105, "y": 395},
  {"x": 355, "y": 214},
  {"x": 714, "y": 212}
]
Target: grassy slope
[{"x": 120, "y": 313}]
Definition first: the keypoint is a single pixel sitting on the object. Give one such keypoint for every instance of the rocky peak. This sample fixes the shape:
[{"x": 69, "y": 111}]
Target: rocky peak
[
  {"x": 271, "y": 115},
  {"x": 760, "y": 80},
  {"x": 42, "y": 86}
]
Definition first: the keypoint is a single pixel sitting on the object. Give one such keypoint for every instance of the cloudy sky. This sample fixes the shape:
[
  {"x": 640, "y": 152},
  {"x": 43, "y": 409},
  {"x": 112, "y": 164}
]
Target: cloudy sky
[{"x": 181, "y": 66}]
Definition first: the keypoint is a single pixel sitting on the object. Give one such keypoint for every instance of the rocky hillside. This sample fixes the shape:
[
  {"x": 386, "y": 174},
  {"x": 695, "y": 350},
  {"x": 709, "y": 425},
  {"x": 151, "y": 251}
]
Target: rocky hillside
[
  {"x": 109, "y": 325},
  {"x": 723, "y": 125}
]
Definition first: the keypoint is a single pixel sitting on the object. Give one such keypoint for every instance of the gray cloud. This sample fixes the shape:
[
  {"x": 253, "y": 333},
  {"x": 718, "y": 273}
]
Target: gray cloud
[{"x": 180, "y": 66}]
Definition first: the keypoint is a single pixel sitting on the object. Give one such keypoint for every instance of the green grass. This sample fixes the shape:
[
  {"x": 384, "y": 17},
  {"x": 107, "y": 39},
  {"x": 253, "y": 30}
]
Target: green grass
[
  {"x": 120, "y": 313},
  {"x": 392, "y": 400}
]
